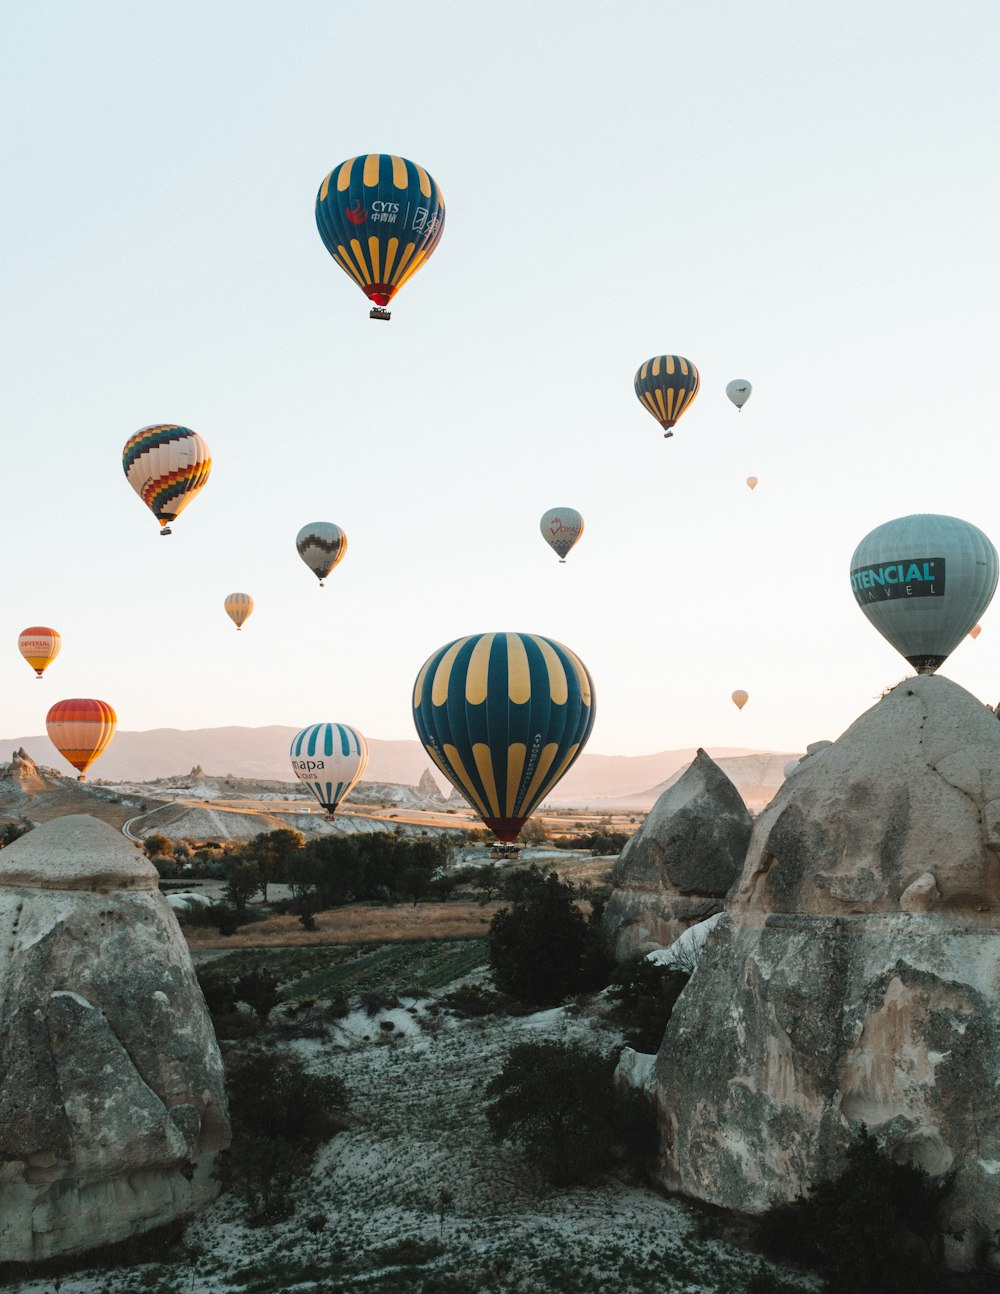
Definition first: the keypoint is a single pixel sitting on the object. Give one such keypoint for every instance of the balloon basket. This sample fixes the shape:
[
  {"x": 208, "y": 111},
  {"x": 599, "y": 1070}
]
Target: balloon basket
[
  {"x": 666, "y": 434},
  {"x": 504, "y": 851},
  {"x": 166, "y": 531},
  {"x": 377, "y": 312}
]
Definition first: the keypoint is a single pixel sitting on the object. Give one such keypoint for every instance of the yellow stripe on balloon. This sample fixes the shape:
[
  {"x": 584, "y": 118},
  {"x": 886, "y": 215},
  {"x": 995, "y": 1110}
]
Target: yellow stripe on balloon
[
  {"x": 558, "y": 687},
  {"x": 440, "y": 195},
  {"x": 399, "y": 176},
  {"x": 658, "y": 395},
  {"x": 402, "y": 263},
  {"x": 425, "y": 183},
  {"x": 516, "y": 752},
  {"x": 373, "y": 253},
  {"x": 478, "y": 672},
  {"x": 518, "y": 671},
  {"x": 643, "y": 371},
  {"x": 418, "y": 687},
  {"x": 670, "y": 403},
  {"x": 390, "y": 256},
  {"x": 582, "y": 676},
  {"x": 343, "y": 259},
  {"x": 442, "y": 675},
  {"x": 656, "y": 366},
  {"x": 684, "y": 365},
  {"x": 324, "y": 188},
  {"x": 541, "y": 772},
  {"x": 564, "y": 765},
  {"x": 344, "y": 174},
  {"x": 359, "y": 256},
  {"x": 370, "y": 176},
  {"x": 411, "y": 269},
  {"x": 458, "y": 770},
  {"x": 484, "y": 763},
  {"x": 670, "y": 365}
]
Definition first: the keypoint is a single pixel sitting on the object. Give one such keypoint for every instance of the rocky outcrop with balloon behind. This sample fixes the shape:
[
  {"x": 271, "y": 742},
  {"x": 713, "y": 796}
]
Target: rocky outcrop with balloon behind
[
  {"x": 854, "y": 978},
  {"x": 676, "y": 869},
  {"x": 112, "y": 1104}
]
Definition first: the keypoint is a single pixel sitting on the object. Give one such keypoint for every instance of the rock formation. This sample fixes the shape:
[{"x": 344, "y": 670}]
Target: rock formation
[
  {"x": 855, "y": 976},
  {"x": 678, "y": 866},
  {"x": 112, "y": 1105},
  {"x": 428, "y": 788}
]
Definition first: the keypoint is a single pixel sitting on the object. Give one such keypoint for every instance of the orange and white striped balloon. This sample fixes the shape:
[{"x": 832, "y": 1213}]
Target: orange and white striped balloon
[
  {"x": 238, "y": 608},
  {"x": 39, "y": 645},
  {"x": 80, "y": 729}
]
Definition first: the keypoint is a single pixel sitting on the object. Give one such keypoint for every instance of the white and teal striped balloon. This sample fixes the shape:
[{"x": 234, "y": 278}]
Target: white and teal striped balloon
[{"x": 329, "y": 758}]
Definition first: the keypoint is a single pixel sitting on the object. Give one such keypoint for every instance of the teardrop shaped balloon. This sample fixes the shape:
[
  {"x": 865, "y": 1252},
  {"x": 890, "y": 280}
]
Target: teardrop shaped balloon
[
  {"x": 561, "y": 528},
  {"x": 740, "y": 698},
  {"x": 923, "y": 581},
  {"x": 238, "y": 608},
  {"x": 39, "y": 645},
  {"x": 328, "y": 759},
  {"x": 666, "y": 386},
  {"x": 321, "y": 546},
  {"x": 975, "y": 631},
  {"x": 80, "y": 730},
  {"x": 504, "y": 716},
  {"x": 380, "y": 217},
  {"x": 752, "y": 482},
  {"x": 166, "y": 465},
  {"x": 739, "y": 391}
]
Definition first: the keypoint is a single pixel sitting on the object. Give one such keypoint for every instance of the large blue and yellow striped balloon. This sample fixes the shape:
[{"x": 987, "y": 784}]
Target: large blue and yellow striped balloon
[
  {"x": 666, "y": 386},
  {"x": 504, "y": 716},
  {"x": 329, "y": 758},
  {"x": 380, "y": 218}
]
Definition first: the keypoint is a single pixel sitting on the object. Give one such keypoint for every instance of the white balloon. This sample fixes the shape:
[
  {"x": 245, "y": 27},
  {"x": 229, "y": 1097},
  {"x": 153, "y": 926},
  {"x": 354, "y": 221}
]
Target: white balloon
[
  {"x": 329, "y": 759},
  {"x": 561, "y": 528},
  {"x": 739, "y": 391}
]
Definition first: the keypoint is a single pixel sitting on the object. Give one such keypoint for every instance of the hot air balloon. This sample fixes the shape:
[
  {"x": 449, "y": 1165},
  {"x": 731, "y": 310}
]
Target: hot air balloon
[
  {"x": 561, "y": 528},
  {"x": 666, "y": 385},
  {"x": 321, "y": 545},
  {"x": 740, "y": 698},
  {"x": 923, "y": 582},
  {"x": 380, "y": 218},
  {"x": 739, "y": 391},
  {"x": 238, "y": 608},
  {"x": 329, "y": 758},
  {"x": 752, "y": 482},
  {"x": 504, "y": 716},
  {"x": 39, "y": 645},
  {"x": 975, "y": 631},
  {"x": 166, "y": 465},
  {"x": 80, "y": 730}
]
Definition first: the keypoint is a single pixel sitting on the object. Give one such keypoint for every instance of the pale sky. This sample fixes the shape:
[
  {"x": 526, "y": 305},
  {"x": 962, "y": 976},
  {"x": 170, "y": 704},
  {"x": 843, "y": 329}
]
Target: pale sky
[{"x": 803, "y": 195}]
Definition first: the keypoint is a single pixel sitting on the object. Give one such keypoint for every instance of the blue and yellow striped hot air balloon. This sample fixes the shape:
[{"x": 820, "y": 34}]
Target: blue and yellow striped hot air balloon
[
  {"x": 166, "y": 465},
  {"x": 504, "y": 716},
  {"x": 380, "y": 218},
  {"x": 329, "y": 758},
  {"x": 666, "y": 386}
]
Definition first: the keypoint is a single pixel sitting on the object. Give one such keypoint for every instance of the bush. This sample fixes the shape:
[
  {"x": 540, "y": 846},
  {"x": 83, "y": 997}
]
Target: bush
[
  {"x": 869, "y": 1231},
  {"x": 259, "y": 990},
  {"x": 471, "y": 1001},
  {"x": 542, "y": 949},
  {"x": 644, "y": 995}
]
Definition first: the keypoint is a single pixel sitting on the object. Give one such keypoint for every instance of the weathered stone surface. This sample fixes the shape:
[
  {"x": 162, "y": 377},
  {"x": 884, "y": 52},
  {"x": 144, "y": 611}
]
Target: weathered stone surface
[
  {"x": 678, "y": 866},
  {"x": 112, "y": 1104},
  {"x": 855, "y": 977}
]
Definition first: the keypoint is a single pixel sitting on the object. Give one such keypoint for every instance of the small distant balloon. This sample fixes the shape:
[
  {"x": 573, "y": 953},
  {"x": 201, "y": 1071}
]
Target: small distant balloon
[
  {"x": 561, "y": 528},
  {"x": 329, "y": 758},
  {"x": 80, "y": 729},
  {"x": 321, "y": 545},
  {"x": 39, "y": 645},
  {"x": 740, "y": 698},
  {"x": 666, "y": 386},
  {"x": 975, "y": 631},
  {"x": 923, "y": 581},
  {"x": 166, "y": 465},
  {"x": 739, "y": 391},
  {"x": 238, "y": 608},
  {"x": 752, "y": 482}
]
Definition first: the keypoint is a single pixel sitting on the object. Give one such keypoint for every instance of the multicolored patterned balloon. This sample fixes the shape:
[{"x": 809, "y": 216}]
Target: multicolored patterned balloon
[
  {"x": 80, "y": 729},
  {"x": 39, "y": 645},
  {"x": 329, "y": 758},
  {"x": 666, "y": 386},
  {"x": 504, "y": 716},
  {"x": 239, "y": 607},
  {"x": 166, "y": 465},
  {"x": 380, "y": 218},
  {"x": 321, "y": 545},
  {"x": 561, "y": 528}
]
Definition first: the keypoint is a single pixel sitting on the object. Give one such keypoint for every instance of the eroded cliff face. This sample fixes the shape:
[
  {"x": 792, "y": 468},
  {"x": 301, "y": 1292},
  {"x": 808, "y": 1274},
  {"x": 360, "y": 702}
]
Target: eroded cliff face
[
  {"x": 112, "y": 1100},
  {"x": 678, "y": 866},
  {"x": 855, "y": 977}
]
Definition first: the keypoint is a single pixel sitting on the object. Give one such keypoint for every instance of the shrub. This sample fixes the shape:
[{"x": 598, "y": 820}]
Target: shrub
[
  {"x": 644, "y": 995},
  {"x": 259, "y": 990}
]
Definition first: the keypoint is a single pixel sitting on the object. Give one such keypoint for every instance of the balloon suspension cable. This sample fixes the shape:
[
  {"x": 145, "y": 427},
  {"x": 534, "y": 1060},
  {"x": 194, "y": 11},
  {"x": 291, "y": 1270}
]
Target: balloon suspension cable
[{"x": 377, "y": 312}]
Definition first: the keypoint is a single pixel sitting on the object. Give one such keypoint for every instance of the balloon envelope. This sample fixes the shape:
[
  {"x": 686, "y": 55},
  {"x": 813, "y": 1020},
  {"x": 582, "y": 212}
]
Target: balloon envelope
[
  {"x": 238, "y": 608},
  {"x": 321, "y": 545},
  {"x": 752, "y": 482},
  {"x": 739, "y": 391},
  {"x": 666, "y": 386},
  {"x": 974, "y": 632},
  {"x": 80, "y": 730},
  {"x": 561, "y": 528},
  {"x": 39, "y": 645},
  {"x": 380, "y": 218},
  {"x": 166, "y": 465},
  {"x": 740, "y": 698},
  {"x": 923, "y": 581},
  {"x": 504, "y": 716},
  {"x": 328, "y": 759}
]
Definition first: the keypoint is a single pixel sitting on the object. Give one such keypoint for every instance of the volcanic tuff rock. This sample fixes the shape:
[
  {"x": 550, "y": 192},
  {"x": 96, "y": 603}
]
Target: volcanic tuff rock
[
  {"x": 428, "y": 788},
  {"x": 855, "y": 976},
  {"x": 112, "y": 1105},
  {"x": 678, "y": 866}
]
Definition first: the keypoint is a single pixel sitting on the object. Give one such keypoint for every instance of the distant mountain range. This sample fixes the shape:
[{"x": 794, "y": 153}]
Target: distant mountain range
[{"x": 262, "y": 753}]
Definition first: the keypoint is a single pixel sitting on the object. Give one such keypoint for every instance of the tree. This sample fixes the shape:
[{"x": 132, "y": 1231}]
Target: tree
[
  {"x": 552, "y": 1100},
  {"x": 12, "y": 831},
  {"x": 272, "y": 852},
  {"x": 157, "y": 843},
  {"x": 259, "y": 990},
  {"x": 644, "y": 994},
  {"x": 542, "y": 949},
  {"x": 243, "y": 882}
]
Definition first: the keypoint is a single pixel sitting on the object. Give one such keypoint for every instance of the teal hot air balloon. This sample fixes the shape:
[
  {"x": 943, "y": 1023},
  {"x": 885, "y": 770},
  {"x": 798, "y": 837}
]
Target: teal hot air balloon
[
  {"x": 329, "y": 759},
  {"x": 923, "y": 582},
  {"x": 503, "y": 716},
  {"x": 666, "y": 386}
]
